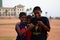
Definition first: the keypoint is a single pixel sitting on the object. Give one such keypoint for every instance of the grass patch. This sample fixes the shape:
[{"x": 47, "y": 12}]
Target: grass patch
[{"x": 6, "y": 37}]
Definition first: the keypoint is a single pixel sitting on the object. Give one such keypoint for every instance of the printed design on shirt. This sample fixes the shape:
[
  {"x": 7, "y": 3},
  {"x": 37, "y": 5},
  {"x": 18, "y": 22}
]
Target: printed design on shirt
[
  {"x": 36, "y": 28},
  {"x": 22, "y": 30}
]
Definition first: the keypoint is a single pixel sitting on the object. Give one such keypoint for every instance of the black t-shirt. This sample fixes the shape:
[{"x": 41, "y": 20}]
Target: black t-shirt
[{"x": 44, "y": 20}]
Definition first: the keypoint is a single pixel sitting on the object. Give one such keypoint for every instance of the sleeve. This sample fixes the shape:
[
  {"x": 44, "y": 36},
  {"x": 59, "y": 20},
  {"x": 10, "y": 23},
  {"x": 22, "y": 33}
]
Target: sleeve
[
  {"x": 34, "y": 21},
  {"x": 47, "y": 22}
]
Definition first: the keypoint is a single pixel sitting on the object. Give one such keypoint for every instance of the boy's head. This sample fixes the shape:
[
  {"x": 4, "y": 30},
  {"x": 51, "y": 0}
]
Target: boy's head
[
  {"x": 37, "y": 11},
  {"x": 22, "y": 16},
  {"x": 29, "y": 18}
]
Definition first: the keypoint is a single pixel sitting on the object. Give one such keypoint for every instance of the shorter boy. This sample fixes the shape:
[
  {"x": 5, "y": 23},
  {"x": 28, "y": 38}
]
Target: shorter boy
[
  {"x": 21, "y": 27},
  {"x": 29, "y": 27}
]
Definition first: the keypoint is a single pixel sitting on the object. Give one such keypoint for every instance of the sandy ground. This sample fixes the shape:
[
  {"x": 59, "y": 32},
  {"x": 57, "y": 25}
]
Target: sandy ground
[{"x": 7, "y": 31}]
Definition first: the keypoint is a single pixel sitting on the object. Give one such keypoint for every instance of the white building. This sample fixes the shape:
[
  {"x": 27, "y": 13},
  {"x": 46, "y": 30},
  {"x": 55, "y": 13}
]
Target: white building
[{"x": 6, "y": 12}]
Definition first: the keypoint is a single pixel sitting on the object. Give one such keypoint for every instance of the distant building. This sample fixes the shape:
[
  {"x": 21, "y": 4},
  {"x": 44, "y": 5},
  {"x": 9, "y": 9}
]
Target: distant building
[
  {"x": 11, "y": 12},
  {"x": 0, "y": 3}
]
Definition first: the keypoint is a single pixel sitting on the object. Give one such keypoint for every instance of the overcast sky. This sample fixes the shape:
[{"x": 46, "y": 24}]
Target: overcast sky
[{"x": 51, "y": 6}]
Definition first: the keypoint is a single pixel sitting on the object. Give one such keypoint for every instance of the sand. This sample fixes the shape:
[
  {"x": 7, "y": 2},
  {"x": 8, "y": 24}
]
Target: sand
[{"x": 7, "y": 31}]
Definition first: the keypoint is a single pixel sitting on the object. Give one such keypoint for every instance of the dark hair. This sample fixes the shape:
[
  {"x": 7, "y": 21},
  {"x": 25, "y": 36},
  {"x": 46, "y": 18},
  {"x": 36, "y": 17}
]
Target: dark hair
[
  {"x": 21, "y": 14},
  {"x": 29, "y": 17},
  {"x": 37, "y": 8}
]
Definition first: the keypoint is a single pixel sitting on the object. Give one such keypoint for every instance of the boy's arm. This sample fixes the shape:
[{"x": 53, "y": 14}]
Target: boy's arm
[
  {"x": 30, "y": 26},
  {"x": 46, "y": 25},
  {"x": 18, "y": 29}
]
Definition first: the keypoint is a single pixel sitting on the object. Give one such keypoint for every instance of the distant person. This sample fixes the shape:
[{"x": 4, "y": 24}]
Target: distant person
[
  {"x": 21, "y": 27},
  {"x": 41, "y": 25}
]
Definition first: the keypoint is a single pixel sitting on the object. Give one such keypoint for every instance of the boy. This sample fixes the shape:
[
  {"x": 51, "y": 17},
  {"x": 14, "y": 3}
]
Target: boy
[
  {"x": 41, "y": 25},
  {"x": 21, "y": 27},
  {"x": 29, "y": 26}
]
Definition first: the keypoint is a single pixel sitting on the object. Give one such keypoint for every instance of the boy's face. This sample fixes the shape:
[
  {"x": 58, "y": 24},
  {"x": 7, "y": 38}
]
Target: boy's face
[
  {"x": 23, "y": 18},
  {"x": 28, "y": 20},
  {"x": 37, "y": 13}
]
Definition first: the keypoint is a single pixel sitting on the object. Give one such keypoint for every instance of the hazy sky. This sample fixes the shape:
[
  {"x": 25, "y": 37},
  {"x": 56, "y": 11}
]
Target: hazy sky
[{"x": 51, "y": 6}]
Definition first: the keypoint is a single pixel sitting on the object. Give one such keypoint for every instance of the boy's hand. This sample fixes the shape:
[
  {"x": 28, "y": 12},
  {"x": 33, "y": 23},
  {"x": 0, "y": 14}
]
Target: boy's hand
[
  {"x": 40, "y": 23},
  {"x": 30, "y": 26}
]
